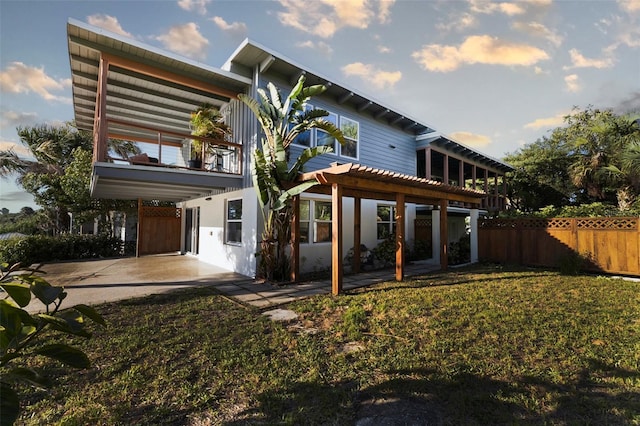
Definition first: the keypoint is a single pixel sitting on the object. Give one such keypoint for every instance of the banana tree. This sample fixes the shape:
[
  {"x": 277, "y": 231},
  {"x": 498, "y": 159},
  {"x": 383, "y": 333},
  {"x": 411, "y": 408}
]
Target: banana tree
[{"x": 273, "y": 175}]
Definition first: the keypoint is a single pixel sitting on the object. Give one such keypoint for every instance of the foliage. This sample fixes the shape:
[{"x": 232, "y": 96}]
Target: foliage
[
  {"x": 22, "y": 334},
  {"x": 274, "y": 179},
  {"x": 42, "y": 248},
  {"x": 596, "y": 209},
  {"x": 589, "y": 159},
  {"x": 207, "y": 122},
  {"x": 460, "y": 251},
  {"x": 385, "y": 252},
  {"x": 24, "y": 223},
  {"x": 478, "y": 345},
  {"x": 59, "y": 175}
]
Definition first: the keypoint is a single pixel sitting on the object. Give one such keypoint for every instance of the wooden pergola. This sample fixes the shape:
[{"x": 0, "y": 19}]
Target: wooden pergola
[{"x": 362, "y": 182}]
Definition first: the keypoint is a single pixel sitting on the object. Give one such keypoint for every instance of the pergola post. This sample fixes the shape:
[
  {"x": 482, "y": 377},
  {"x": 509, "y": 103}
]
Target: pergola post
[
  {"x": 295, "y": 239},
  {"x": 443, "y": 235},
  {"x": 336, "y": 239},
  {"x": 357, "y": 236},
  {"x": 400, "y": 238}
]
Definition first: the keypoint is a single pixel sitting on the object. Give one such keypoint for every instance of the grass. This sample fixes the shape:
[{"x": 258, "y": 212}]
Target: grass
[{"x": 483, "y": 345}]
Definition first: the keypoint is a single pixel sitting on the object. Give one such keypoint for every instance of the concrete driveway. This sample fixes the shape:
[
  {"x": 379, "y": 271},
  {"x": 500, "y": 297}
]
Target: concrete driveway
[{"x": 107, "y": 280}]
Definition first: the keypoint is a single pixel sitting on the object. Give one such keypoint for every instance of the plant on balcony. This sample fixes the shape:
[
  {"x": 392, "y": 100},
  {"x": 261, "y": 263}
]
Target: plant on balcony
[
  {"x": 206, "y": 122},
  {"x": 272, "y": 172}
]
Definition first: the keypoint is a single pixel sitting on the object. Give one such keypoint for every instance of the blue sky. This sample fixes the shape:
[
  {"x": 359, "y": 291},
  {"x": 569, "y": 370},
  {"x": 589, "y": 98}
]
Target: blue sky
[{"x": 493, "y": 75}]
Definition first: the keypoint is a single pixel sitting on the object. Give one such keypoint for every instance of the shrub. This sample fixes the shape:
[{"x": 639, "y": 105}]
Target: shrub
[
  {"x": 40, "y": 248},
  {"x": 22, "y": 334},
  {"x": 460, "y": 251}
]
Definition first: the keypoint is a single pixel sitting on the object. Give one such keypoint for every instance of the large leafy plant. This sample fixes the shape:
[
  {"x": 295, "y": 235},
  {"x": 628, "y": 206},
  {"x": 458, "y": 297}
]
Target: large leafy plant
[
  {"x": 21, "y": 333},
  {"x": 274, "y": 176}
]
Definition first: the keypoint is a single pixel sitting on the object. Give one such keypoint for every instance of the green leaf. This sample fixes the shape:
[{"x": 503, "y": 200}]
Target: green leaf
[
  {"x": 29, "y": 375},
  {"x": 19, "y": 292},
  {"x": 296, "y": 190},
  {"x": 69, "y": 325},
  {"x": 9, "y": 404},
  {"x": 44, "y": 291},
  {"x": 66, "y": 354},
  {"x": 306, "y": 155},
  {"x": 90, "y": 313}
]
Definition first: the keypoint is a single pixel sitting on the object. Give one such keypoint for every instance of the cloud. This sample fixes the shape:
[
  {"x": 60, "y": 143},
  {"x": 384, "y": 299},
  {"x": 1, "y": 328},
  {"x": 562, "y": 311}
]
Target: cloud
[
  {"x": 458, "y": 22},
  {"x": 573, "y": 83},
  {"x": 199, "y": 6},
  {"x": 369, "y": 73},
  {"x": 21, "y": 150},
  {"x": 471, "y": 139},
  {"x": 579, "y": 61},
  {"x": 547, "y": 122},
  {"x": 324, "y": 18},
  {"x": 384, "y": 10},
  {"x": 20, "y": 78},
  {"x": 537, "y": 29},
  {"x": 13, "y": 119},
  {"x": 108, "y": 23},
  {"x": 482, "y": 49},
  {"x": 630, "y": 6},
  {"x": 186, "y": 40},
  {"x": 488, "y": 7},
  {"x": 540, "y": 71},
  {"x": 235, "y": 29},
  {"x": 384, "y": 49},
  {"x": 321, "y": 46}
]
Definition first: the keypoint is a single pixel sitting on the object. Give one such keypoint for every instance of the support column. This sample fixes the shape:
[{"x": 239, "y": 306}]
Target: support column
[
  {"x": 357, "y": 236},
  {"x": 444, "y": 263},
  {"x": 473, "y": 222},
  {"x": 400, "y": 237},
  {"x": 427, "y": 154},
  {"x": 140, "y": 220},
  {"x": 295, "y": 239},
  {"x": 336, "y": 239},
  {"x": 435, "y": 235}
]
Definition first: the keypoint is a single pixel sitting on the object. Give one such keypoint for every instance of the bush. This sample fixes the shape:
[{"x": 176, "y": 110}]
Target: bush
[
  {"x": 460, "y": 251},
  {"x": 40, "y": 248}
]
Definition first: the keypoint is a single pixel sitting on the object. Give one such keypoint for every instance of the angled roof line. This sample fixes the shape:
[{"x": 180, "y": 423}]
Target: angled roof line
[
  {"x": 437, "y": 135},
  {"x": 249, "y": 42}
]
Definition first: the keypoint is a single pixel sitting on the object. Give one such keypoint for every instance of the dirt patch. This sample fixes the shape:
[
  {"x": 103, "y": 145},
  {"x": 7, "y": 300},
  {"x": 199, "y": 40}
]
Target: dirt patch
[{"x": 392, "y": 411}]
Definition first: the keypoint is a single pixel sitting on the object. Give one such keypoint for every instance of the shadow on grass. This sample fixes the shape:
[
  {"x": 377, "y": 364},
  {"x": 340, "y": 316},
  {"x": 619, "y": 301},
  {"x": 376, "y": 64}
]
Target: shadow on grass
[{"x": 428, "y": 397}]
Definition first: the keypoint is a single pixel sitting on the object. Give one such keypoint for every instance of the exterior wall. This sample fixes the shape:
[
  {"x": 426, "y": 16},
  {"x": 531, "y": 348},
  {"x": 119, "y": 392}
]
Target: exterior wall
[
  {"x": 380, "y": 145},
  {"x": 213, "y": 249},
  {"x": 317, "y": 256}
]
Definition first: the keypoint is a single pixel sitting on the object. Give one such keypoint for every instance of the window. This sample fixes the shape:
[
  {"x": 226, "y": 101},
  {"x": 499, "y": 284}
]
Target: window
[
  {"x": 386, "y": 221},
  {"x": 322, "y": 221},
  {"x": 233, "y": 231},
  {"x": 304, "y": 138},
  {"x": 305, "y": 218},
  {"x": 350, "y": 130},
  {"x": 323, "y": 138}
]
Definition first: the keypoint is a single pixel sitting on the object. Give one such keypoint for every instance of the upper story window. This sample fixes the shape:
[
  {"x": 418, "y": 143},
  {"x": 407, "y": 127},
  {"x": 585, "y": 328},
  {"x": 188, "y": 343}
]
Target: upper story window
[
  {"x": 351, "y": 131},
  {"x": 323, "y": 138},
  {"x": 316, "y": 137}
]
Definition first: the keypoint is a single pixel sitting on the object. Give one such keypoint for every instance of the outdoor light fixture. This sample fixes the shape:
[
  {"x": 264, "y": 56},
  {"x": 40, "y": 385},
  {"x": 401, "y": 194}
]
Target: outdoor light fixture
[{"x": 392, "y": 146}]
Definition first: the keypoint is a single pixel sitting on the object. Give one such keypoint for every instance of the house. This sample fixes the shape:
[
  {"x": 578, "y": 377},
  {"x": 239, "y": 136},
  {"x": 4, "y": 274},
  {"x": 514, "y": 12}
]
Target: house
[{"x": 395, "y": 175}]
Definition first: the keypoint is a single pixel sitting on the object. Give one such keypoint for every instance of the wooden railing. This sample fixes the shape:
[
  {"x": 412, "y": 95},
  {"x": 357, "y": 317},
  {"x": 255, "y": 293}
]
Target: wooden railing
[
  {"x": 220, "y": 156},
  {"x": 609, "y": 244}
]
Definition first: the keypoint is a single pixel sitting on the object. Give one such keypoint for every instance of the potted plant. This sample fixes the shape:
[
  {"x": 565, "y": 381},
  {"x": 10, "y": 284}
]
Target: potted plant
[{"x": 206, "y": 122}]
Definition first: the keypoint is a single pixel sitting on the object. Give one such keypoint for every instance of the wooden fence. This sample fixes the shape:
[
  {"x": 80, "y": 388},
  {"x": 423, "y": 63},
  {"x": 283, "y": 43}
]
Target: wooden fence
[
  {"x": 611, "y": 244},
  {"x": 158, "y": 230}
]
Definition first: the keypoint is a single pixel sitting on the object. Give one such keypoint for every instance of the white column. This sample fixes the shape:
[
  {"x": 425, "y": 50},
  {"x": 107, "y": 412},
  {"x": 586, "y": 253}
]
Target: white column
[
  {"x": 473, "y": 219},
  {"x": 435, "y": 235}
]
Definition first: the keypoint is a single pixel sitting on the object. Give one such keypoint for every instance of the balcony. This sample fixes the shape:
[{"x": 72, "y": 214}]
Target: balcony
[{"x": 166, "y": 168}]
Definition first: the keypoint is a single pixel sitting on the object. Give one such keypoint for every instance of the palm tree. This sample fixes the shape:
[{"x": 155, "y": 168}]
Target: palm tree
[
  {"x": 624, "y": 174},
  {"x": 273, "y": 175}
]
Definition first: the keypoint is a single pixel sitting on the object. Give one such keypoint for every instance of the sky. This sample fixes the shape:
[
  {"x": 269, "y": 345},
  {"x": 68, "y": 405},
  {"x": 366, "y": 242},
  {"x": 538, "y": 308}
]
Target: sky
[{"x": 494, "y": 76}]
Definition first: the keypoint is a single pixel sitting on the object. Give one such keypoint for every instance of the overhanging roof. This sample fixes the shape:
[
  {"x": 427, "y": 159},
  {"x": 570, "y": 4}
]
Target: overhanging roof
[
  {"x": 146, "y": 85},
  {"x": 250, "y": 54},
  {"x": 370, "y": 183},
  {"x": 124, "y": 182},
  {"x": 462, "y": 150}
]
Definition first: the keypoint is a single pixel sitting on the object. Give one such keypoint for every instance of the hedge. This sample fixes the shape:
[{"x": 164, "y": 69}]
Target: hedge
[{"x": 41, "y": 248}]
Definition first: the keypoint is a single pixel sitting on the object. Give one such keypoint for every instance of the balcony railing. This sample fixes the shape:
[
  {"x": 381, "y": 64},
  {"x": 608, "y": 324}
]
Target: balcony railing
[{"x": 162, "y": 148}]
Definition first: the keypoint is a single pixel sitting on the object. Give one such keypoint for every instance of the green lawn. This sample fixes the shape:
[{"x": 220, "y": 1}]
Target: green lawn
[{"x": 476, "y": 346}]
